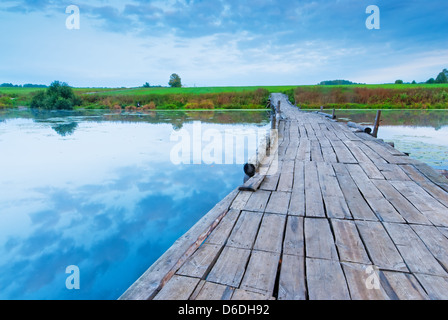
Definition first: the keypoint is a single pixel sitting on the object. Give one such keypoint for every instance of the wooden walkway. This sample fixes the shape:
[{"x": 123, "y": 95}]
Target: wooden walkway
[{"x": 344, "y": 216}]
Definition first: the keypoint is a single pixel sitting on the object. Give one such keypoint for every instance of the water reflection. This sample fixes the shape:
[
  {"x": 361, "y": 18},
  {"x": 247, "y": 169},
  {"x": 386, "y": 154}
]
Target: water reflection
[
  {"x": 107, "y": 199},
  {"x": 421, "y": 133}
]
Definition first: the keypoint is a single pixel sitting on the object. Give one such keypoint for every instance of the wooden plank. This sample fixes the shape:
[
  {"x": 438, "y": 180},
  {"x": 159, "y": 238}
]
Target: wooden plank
[
  {"x": 359, "y": 208},
  {"x": 261, "y": 272},
  {"x": 230, "y": 266},
  {"x": 385, "y": 154},
  {"x": 357, "y": 276},
  {"x": 200, "y": 262},
  {"x": 335, "y": 203},
  {"x": 270, "y": 182},
  {"x": 178, "y": 288},
  {"x": 435, "y": 241},
  {"x": 294, "y": 242},
  {"x": 435, "y": 191},
  {"x": 270, "y": 236},
  {"x": 279, "y": 202},
  {"x": 245, "y": 230},
  {"x": 304, "y": 151},
  {"x": 413, "y": 173},
  {"x": 348, "y": 242},
  {"x": 380, "y": 246},
  {"x": 325, "y": 280},
  {"x": 212, "y": 292},
  {"x": 241, "y": 200},
  {"x": 373, "y": 156},
  {"x": 286, "y": 176},
  {"x": 393, "y": 172},
  {"x": 343, "y": 153},
  {"x": 292, "y": 284},
  {"x": 297, "y": 202},
  {"x": 316, "y": 152},
  {"x": 382, "y": 208},
  {"x": 222, "y": 232},
  {"x": 414, "y": 252},
  {"x": 404, "y": 286},
  {"x": 314, "y": 206},
  {"x": 243, "y": 295},
  {"x": 430, "y": 207},
  {"x": 400, "y": 203},
  {"x": 319, "y": 240},
  {"x": 435, "y": 287},
  {"x": 257, "y": 201},
  {"x": 364, "y": 161}
]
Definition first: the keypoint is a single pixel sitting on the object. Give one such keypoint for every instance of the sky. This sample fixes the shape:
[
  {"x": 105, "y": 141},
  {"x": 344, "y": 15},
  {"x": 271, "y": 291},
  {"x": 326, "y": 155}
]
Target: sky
[{"x": 221, "y": 42}]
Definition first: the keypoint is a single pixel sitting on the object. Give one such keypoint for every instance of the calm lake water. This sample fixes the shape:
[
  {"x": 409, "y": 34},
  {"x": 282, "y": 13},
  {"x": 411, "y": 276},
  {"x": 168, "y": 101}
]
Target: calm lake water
[
  {"x": 422, "y": 133},
  {"x": 100, "y": 191}
]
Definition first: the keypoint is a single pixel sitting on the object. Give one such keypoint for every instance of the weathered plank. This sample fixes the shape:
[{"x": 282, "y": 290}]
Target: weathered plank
[
  {"x": 342, "y": 152},
  {"x": 414, "y": 252},
  {"x": 360, "y": 282},
  {"x": 403, "y": 286},
  {"x": 292, "y": 284},
  {"x": 313, "y": 197},
  {"x": 261, "y": 272},
  {"x": 245, "y": 230},
  {"x": 325, "y": 280},
  {"x": 212, "y": 291},
  {"x": 221, "y": 233},
  {"x": 244, "y": 295},
  {"x": 257, "y": 201},
  {"x": 286, "y": 176},
  {"x": 436, "y": 287},
  {"x": 364, "y": 161},
  {"x": 335, "y": 203},
  {"x": 400, "y": 203},
  {"x": 393, "y": 172},
  {"x": 230, "y": 267},
  {"x": 380, "y": 246},
  {"x": 178, "y": 288},
  {"x": 293, "y": 243},
  {"x": 430, "y": 207},
  {"x": 271, "y": 232},
  {"x": 348, "y": 242},
  {"x": 304, "y": 151},
  {"x": 279, "y": 202},
  {"x": 319, "y": 240},
  {"x": 435, "y": 241},
  {"x": 200, "y": 262},
  {"x": 297, "y": 202},
  {"x": 382, "y": 208},
  {"x": 359, "y": 208}
]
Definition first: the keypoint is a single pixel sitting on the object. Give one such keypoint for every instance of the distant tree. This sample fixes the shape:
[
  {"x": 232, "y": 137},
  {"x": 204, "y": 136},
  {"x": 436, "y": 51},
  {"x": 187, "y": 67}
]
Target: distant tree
[
  {"x": 399, "y": 82},
  {"x": 431, "y": 81},
  {"x": 175, "y": 81},
  {"x": 336, "y": 82},
  {"x": 442, "y": 77},
  {"x": 59, "y": 95},
  {"x": 413, "y": 82},
  {"x": 146, "y": 85}
]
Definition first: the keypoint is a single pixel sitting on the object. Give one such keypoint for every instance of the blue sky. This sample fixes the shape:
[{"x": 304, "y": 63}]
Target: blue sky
[{"x": 221, "y": 42}]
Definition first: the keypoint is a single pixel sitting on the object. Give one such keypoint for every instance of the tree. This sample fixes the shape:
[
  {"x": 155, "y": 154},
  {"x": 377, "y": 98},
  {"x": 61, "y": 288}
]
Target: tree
[
  {"x": 59, "y": 96},
  {"x": 442, "y": 78},
  {"x": 399, "y": 82},
  {"x": 431, "y": 81},
  {"x": 175, "y": 81},
  {"x": 146, "y": 85}
]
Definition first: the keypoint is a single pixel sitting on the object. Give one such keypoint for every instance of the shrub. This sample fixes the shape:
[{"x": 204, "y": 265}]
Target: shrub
[{"x": 58, "y": 96}]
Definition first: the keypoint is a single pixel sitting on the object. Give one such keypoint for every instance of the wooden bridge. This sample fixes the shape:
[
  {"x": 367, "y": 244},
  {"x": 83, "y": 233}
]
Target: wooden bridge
[{"x": 340, "y": 215}]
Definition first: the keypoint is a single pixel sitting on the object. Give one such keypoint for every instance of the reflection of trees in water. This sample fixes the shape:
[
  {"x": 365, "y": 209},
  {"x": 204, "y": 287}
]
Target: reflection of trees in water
[
  {"x": 65, "y": 129},
  {"x": 418, "y": 118}
]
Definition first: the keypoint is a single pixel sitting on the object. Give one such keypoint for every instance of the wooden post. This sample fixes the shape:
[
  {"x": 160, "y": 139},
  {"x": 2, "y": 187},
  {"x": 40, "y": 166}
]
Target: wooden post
[
  {"x": 279, "y": 107},
  {"x": 377, "y": 124},
  {"x": 321, "y": 108},
  {"x": 333, "y": 116}
]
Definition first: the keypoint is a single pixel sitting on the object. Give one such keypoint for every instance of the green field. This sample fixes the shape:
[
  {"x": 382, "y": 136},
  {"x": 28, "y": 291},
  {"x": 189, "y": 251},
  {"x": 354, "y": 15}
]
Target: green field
[{"x": 372, "y": 96}]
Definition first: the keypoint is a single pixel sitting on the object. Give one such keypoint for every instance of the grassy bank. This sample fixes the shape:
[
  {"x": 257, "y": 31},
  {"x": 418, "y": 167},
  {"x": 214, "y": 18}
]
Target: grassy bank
[
  {"x": 402, "y": 96},
  {"x": 387, "y": 96}
]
